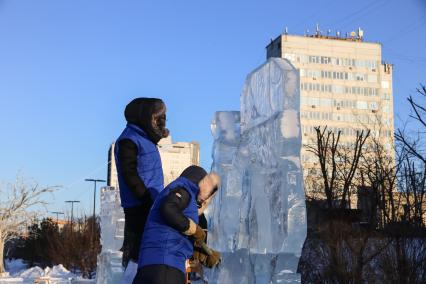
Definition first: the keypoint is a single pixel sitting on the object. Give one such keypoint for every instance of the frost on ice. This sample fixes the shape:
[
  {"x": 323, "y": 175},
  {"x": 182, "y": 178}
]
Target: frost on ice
[
  {"x": 109, "y": 268},
  {"x": 258, "y": 219}
]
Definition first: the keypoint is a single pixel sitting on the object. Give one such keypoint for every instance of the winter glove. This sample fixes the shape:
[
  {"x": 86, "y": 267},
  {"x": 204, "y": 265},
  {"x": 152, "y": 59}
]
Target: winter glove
[
  {"x": 200, "y": 256},
  {"x": 213, "y": 260},
  {"x": 195, "y": 231},
  {"x": 209, "y": 260}
]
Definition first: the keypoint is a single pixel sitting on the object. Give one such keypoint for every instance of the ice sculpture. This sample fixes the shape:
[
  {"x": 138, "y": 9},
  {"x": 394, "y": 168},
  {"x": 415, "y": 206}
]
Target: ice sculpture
[
  {"x": 258, "y": 219},
  {"x": 109, "y": 268},
  {"x": 112, "y": 219}
]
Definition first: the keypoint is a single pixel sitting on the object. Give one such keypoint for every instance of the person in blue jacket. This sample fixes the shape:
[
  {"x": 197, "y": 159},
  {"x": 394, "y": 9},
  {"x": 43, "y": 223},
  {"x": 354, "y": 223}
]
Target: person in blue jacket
[
  {"x": 172, "y": 228},
  {"x": 139, "y": 169}
]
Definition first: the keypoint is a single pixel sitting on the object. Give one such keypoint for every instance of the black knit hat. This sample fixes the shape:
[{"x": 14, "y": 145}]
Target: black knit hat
[
  {"x": 194, "y": 174},
  {"x": 140, "y": 111}
]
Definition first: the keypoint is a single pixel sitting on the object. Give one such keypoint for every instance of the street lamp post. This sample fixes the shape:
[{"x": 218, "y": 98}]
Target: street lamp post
[
  {"x": 57, "y": 215},
  {"x": 94, "y": 201},
  {"x": 72, "y": 210}
]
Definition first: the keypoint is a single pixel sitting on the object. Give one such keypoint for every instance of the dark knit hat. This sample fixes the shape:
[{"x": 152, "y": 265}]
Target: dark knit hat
[
  {"x": 140, "y": 112},
  {"x": 194, "y": 174}
]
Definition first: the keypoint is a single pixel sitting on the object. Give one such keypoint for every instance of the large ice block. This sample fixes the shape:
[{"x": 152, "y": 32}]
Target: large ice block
[
  {"x": 258, "y": 219},
  {"x": 112, "y": 219},
  {"x": 109, "y": 268}
]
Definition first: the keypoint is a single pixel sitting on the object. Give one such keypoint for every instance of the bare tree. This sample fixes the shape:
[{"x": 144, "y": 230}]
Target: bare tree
[
  {"x": 326, "y": 151},
  {"x": 16, "y": 201},
  {"x": 338, "y": 164},
  {"x": 378, "y": 173},
  {"x": 349, "y": 161},
  {"x": 412, "y": 181},
  {"x": 392, "y": 250},
  {"x": 405, "y": 261}
]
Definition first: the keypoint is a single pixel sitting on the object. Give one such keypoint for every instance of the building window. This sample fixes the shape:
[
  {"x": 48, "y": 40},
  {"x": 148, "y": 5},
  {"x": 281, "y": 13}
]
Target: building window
[
  {"x": 372, "y": 78},
  {"x": 361, "y": 105},
  {"x": 385, "y": 84},
  {"x": 374, "y": 106}
]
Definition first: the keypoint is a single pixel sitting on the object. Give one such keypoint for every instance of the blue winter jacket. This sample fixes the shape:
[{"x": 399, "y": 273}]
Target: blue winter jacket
[
  {"x": 148, "y": 166},
  {"x": 161, "y": 244}
]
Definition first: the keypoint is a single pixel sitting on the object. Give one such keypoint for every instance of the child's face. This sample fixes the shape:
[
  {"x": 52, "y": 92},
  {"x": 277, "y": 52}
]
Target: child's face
[
  {"x": 208, "y": 185},
  {"x": 159, "y": 122}
]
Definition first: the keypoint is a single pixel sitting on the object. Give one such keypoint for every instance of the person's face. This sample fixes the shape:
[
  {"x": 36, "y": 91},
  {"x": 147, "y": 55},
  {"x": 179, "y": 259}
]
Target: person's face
[
  {"x": 208, "y": 185},
  {"x": 159, "y": 121}
]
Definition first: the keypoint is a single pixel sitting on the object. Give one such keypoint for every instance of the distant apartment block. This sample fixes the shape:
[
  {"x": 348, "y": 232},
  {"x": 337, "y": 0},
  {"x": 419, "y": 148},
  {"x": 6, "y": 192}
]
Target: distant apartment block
[
  {"x": 175, "y": 157},
  {"x": 344, "y": 85}
]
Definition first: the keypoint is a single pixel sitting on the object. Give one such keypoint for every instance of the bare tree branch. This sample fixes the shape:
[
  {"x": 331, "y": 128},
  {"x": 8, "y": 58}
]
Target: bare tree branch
[{"x": 17, "y": 201}]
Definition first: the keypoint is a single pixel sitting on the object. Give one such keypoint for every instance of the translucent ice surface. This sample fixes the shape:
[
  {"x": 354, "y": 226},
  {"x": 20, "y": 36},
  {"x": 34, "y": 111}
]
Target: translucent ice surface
[
  {"x": 258, "y": 219},
  {"x": 109, "y": 268},
  {"x": 112, "y": 219}
]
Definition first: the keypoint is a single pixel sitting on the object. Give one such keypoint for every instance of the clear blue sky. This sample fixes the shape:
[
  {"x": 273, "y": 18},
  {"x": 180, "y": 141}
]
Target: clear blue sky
[{"x": 68, "y": 68}]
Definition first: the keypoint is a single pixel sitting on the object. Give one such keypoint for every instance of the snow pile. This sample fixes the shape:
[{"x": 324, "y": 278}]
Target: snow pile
[
  {"x": 58, "y": 274},
  {"x": 58, "y": 271},
  {"x": 9, "y": 280},
  {"x": 14, "y": 266},
  {"x": 258, "y": 219},
  {"x": 32, "y": 272}
]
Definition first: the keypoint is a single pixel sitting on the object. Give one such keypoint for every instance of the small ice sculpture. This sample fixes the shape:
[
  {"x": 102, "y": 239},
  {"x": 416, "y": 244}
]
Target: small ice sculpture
[
  {"x": 258, "y": 219},
  {"x": 109, "y": 268},
  {"x": 112, "y": 219}
]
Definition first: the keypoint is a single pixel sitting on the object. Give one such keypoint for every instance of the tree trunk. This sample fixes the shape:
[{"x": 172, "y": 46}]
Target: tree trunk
[{"x": 2, "y": 270}]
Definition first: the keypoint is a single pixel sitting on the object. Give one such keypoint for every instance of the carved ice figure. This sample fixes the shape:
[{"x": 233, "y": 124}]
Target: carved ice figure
[
  {"x": 258, "y": 219},
  {"x": 109, "y": 268}
]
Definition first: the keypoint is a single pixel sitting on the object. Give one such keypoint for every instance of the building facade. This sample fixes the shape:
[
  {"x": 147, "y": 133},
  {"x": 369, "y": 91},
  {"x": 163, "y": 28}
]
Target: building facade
[
  {"x": 344, "y": 85},
  {"x": 175, "y": 157}
]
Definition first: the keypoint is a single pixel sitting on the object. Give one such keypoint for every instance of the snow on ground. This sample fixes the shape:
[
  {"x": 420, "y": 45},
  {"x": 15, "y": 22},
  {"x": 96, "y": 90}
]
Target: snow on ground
[
  {"x": 57, "y": 274},
  {"x": 15, "y": 266}
]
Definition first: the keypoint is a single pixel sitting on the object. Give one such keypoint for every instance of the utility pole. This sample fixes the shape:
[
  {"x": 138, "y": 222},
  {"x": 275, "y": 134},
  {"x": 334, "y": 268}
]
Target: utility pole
[
  {"x": 57, "y": 215},
  {"x": 94, "y": 202},
  {"x": 72, "y": 210}
]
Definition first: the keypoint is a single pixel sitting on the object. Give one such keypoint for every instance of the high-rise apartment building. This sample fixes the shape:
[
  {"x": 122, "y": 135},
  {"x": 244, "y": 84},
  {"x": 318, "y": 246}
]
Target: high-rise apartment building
[
  {"x": 344, "y": 85},
  {"x": 175, "y": 157}
]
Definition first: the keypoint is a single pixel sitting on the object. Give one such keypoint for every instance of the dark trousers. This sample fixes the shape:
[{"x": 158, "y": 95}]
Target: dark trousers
[
  {"x": 159, "y": 274},
  {"x": 135, "y": 219}
]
